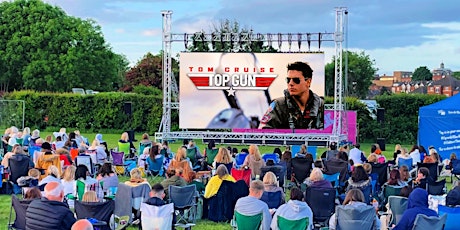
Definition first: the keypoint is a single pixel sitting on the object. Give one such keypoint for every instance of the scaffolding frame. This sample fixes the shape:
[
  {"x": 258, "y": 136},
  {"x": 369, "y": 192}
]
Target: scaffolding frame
[{"x": 339, "y": 124}]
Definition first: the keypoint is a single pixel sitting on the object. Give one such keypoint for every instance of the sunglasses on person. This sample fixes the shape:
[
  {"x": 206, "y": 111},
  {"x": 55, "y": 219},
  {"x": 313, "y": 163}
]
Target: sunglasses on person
[{"x": 295, "y": 79}]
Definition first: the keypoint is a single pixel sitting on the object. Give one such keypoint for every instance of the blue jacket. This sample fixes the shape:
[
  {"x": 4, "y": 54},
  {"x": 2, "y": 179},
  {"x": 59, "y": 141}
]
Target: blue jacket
[{"x": 417, "y": 204}]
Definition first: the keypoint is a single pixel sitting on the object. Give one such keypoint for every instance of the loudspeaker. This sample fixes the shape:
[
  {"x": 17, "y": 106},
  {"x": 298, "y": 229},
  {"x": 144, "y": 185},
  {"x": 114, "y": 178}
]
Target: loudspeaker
[
  {"x": 381, "y": 142},
  {"x": 131, "y": 135},
  {"x": 381, "y": 115},
  {"x": 128, "y": 108}
]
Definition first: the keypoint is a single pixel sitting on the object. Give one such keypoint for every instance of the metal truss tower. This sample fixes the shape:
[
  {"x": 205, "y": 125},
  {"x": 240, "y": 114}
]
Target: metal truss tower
[
  {"x": 337, "y": 37},
  {"x": 165, "y": 125},
  {"x": 339, "y": 110}
]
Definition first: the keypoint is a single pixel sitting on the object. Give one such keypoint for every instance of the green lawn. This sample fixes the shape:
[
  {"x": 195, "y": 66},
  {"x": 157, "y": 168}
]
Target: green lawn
[{"x": 112, "y": 139}]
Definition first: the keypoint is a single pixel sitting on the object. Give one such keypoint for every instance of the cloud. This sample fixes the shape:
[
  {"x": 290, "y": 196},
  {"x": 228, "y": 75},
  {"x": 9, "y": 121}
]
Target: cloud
[
  {"x": 120, "y": 31},
  {"x": 152, "y": 32}
]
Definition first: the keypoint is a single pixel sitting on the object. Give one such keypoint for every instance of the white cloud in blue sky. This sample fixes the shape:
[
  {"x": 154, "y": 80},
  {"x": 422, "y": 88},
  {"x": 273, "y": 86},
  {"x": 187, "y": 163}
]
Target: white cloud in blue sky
[{"x": 399, "y": 35}]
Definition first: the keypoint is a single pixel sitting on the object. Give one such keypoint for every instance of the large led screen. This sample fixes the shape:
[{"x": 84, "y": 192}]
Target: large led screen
[{"x": 235, "y": 90}]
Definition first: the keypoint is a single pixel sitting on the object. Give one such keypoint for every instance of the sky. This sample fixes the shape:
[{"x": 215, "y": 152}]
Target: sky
[{"x": 399, "y": 35}]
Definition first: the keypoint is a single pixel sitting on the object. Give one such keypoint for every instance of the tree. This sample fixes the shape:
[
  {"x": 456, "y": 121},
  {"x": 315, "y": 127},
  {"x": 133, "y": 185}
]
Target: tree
[
  {"x": 422, "y": 73},
  {"x": 232, "y": 30},
  {"x": 361, "y": 70},
  {"x": 148, "y": 72},
  {"x": 456, "y": 75},
  {"x": 47, "y": 50}
]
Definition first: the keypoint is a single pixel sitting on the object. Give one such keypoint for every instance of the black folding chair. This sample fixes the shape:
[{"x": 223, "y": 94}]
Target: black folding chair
[
  {"x": 278, "y": 170},
  {"x": 301, "y": 168},
  {"x": 436, "y": 187},
  {"x": 321, "y": 202},
  {"x": 185, "y": 202},
  {"x": 455, "y": 170},
  {"x": 20, "y": 208},
  {"x": 382, "y": 171},
  {"x": 432, "y": 168},
  {"x": 98, "y": 210},
  {"x": 272, "y": 199}
]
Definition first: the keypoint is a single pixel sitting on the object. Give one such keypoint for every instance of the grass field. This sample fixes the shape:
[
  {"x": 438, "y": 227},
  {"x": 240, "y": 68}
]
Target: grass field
[{"x": 112, "y": 139}]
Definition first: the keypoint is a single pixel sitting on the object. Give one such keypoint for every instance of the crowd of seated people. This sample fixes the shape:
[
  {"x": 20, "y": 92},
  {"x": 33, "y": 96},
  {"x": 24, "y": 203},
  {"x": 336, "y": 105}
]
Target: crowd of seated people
[{"x": 55, "y": 165}]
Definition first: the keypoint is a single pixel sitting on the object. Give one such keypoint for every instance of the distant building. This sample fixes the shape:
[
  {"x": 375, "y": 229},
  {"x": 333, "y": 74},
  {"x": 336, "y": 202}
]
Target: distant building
[
  {"x": 447, "y": 85},
  {"x": 441, "y": 72},
  {"x": 442, "y": 83}
]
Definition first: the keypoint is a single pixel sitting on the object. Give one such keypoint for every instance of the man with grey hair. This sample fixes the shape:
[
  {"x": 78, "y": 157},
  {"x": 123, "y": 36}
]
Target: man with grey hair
[
  {"x": 50, "y": 212},
  {"x": 252, "y": 205}
]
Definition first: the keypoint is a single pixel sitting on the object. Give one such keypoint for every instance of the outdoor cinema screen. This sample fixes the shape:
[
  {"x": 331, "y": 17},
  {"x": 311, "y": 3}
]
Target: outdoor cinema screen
[{"x": 235, "y": 90}]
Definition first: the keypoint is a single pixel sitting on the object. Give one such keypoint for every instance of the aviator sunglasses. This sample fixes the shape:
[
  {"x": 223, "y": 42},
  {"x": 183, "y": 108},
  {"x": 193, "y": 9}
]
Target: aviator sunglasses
[{"x": 295, "y": 79}]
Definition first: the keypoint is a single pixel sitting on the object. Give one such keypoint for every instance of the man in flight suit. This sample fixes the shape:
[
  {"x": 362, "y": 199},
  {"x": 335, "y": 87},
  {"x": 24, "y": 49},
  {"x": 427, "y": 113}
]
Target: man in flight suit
[{"x": 300, "y": 108}]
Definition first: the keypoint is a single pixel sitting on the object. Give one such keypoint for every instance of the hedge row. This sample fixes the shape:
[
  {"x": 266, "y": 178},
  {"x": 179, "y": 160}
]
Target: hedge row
[
  {"x": 90, "y": 112},
  {"x": 105, "y": 111}
]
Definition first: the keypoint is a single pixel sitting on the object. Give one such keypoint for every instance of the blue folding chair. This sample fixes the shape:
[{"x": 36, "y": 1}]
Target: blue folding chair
[
  {"x": 272, "y": 156},
  {"x": 312, "y": 150},
  {"x": 406, "y": 162},
  {"x": 155, "y": 168},
  {"x": 239, "y": 159},
  {"x": 334, "y": 179},
  {"x": 453, "y": 215},
  {"x": 295, "y": 149}
]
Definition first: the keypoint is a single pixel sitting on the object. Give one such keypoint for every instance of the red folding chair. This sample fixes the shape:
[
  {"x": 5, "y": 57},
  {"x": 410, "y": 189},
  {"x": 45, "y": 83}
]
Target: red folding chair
[{"x": 242, "y": 174}]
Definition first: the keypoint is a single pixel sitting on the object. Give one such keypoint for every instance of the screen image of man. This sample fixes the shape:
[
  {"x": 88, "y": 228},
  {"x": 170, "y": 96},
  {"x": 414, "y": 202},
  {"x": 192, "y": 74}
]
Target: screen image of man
[{"x": 300, "y": 108}]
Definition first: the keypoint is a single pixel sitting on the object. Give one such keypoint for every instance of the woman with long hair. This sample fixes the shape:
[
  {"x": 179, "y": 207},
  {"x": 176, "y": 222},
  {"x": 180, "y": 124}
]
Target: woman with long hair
[
  {"x": 359, "y": 179},
  {"x": 107, "y": 176},
  {"x": 395, "y": 178},
  {"x": 180, "y": 162},
  {"x": 68, "y": 180},
  {"x": 254, "y": 161},
  {"x": 223, "y": 157},
  {"x": 271, "y": 185}
]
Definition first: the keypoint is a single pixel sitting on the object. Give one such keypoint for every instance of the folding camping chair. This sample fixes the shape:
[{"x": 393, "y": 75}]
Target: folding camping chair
[
  {"x": 185, "y": 204},
  {"x": 118, "y": 162},
  {"x": 101, "y": 211},
  {"x": 321, "y": 202},
  {"x": 157, "y": 217},
  {"x": 242, "y": 174},
  {"x": 20, "y": 208},
  {"x": 87, "y": 161}
]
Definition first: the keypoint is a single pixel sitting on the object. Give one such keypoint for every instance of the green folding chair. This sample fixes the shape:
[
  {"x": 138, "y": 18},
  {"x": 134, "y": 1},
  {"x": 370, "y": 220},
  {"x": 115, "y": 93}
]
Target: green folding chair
[
  {"x": 287, "y": 224},
  {"x": 210, "y": 155},
  {"x": 123, "y": 147},
  {"x": 243, "y": 222}
]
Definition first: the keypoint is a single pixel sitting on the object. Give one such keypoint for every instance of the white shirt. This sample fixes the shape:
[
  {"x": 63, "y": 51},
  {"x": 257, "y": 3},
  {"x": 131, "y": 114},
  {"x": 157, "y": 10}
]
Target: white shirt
[
  {"x": 355, "y": 155},
  {"x": 415, "y": 155}
]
